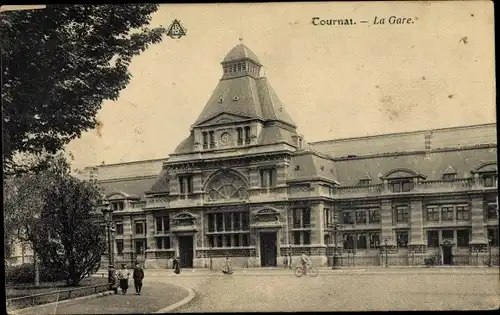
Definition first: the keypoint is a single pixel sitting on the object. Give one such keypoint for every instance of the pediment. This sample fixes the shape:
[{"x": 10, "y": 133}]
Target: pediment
[
  {"x": 267, "y": 215},
  {"x": 184, "y": 219},
  {"x": 221, "y": 119},
  {"x": 488, "y": 167},
  {"x": 401, "y": 173},
  {"x": 116, "y": 195}
]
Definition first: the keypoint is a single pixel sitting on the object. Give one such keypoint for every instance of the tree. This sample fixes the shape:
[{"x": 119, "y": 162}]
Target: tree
[
  {"x": 56, "y": 213},
  {"x": 59, "y": 64}
]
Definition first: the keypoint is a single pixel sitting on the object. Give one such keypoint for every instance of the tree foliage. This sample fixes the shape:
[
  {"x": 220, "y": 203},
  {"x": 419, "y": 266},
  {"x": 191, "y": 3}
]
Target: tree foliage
[
  {"x": 57, "y": 214},
  {"x": 59, "y": 64}
]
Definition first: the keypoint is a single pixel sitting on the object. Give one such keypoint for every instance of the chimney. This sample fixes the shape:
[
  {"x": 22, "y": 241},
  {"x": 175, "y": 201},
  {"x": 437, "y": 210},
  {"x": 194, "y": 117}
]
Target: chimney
[{"x": 428, "y": 144}]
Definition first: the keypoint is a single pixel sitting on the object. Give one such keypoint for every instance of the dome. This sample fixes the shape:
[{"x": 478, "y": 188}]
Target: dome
[{"x": 241, "y": 52}]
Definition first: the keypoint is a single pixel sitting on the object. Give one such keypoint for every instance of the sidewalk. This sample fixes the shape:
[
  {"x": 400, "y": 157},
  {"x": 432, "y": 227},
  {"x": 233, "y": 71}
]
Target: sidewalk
[
  {"x": 367, "y": 270},
  {"x": 155, "y": 297}
]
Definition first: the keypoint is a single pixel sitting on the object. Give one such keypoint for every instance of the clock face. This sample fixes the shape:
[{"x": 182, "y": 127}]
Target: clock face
[{"x": 224, "y": 139}]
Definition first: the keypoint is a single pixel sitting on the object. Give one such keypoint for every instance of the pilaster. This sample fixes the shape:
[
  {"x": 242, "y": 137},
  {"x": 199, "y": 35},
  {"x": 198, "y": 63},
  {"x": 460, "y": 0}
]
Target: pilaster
[
  {"x": 150, "y": 232},
  {"x": 477, "y": 219},
  {"x": 254, "y": 177},
  {"x": 416, "y": 224},
  {"x": 317, "y": 225},
  {"x": 386, "y": 222}
]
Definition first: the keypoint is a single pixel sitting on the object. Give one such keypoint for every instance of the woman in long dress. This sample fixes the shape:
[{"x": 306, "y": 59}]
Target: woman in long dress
[{"x": 123, "y": 275}]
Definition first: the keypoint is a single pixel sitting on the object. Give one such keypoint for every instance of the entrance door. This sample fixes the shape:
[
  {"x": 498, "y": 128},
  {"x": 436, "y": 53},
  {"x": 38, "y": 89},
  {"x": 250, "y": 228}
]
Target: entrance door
[
  {"x": 186, "y": 251},
  {"x": 268, "y": 249},
  {"x": 447, "y": 258}
]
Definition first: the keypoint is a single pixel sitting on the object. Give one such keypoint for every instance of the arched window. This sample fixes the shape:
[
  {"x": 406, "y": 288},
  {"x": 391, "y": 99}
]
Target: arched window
[{"x": 226, "y": 186}]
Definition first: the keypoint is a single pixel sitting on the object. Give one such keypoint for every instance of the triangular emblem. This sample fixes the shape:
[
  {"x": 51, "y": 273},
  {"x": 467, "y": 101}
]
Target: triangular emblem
[{"x": 176, "y": 30}]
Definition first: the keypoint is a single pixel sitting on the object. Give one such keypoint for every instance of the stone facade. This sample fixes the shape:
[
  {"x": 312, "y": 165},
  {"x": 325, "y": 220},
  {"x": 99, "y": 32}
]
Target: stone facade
[{"x": 246, "y": 185}]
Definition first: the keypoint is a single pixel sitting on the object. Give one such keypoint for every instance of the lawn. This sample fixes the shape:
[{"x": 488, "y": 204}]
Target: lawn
[{"x": 23, "y": 290}]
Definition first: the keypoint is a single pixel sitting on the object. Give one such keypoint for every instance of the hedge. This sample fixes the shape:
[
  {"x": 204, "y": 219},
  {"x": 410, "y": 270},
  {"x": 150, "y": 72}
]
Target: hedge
[{"x": 25, "y": 273}]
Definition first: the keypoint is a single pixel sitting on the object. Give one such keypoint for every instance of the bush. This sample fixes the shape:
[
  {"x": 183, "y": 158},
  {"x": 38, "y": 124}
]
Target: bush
[{"x": 25, "y": 273}]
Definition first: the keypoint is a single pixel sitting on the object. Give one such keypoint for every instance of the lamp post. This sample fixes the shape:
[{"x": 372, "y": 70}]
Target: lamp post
[
  {"x": 490, "y": 241},
  {"x": 107, "y": 213},
  {"x": 335, "y": 227},
  {"x": 386, "y": 256}
]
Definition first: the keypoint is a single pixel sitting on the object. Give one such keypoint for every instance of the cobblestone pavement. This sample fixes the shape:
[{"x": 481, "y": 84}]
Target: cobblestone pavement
[
  {"x": 340, "y": 290},
  {"x": 155, "y": 296}
]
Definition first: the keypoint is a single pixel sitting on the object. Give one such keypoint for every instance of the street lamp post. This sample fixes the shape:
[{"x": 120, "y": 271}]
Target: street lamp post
[
  {"x": 335, "y": 226},
  {"x": 386, "y": 256},
  {"x": 490, "y": 241},
  {"x": 107, "y": 212}
]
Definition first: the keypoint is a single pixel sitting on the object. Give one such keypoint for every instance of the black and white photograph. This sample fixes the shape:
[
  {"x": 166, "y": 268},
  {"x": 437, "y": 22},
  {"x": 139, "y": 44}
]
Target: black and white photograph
[{"x": 249, "y": 157}]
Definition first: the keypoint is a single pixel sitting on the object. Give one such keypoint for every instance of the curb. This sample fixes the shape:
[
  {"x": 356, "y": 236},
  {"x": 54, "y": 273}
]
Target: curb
[
  {"x": 183, "y": 302},
  {"x": 82, "y": 298}
]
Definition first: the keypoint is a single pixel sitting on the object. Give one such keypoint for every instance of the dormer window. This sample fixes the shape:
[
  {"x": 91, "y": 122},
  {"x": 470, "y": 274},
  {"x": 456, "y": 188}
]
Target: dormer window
[
  {"x": 364, "y": 182},
  {"x": 117, "y": 205},
  {"x": 400, "y": 186},
  {"x": 489, "y": 180},
  {"x": 448, "y": 177},
  {"x": 401, "y": 179}
]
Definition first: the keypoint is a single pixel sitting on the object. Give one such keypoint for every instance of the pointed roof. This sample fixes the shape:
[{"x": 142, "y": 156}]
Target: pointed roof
[
  {"x": 241, "y": 52},
  {"x": 366, "y": 177},
  {"x": 244, "y": 95},
  {"x": 450, "y": 170}
]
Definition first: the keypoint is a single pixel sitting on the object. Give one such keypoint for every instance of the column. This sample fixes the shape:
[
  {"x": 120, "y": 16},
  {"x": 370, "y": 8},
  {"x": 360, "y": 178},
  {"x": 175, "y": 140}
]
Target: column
[
  {"x": 128, "y": 230},
  {"x": 232, "y": 215},
  {"x": 223, "y": 221},
  {"x": 182, "y": 189},
  {"x": 417, "y": 241},
  {"x": 479, "y": 240},
  {"x": 317, "y": 227},
  {"x": 214, "y": 221},
  {"x": 386, "y": 220},
  {"x": 150, "y": 234}
]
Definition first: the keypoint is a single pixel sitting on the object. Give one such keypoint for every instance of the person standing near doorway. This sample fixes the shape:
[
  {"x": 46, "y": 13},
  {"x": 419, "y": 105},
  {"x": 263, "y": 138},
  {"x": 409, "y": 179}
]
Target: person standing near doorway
[
  {"x": 123, "y": 275},
  {"x": 138, "y": 275},
  {"x": 176, "y": 265}
]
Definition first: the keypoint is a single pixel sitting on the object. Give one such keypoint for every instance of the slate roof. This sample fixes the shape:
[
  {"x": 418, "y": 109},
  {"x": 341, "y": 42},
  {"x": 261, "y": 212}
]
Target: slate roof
[
  {"x": 161, "y": 184},
  {"x": 307, "y": 165},
  {"x": 409, "y": 141},
  {"x": 256, "y": 97},
  {"x": 241, "y": 52},
  {"x": 186, "y": 145},
  {"x": 350, "y": 171},
  {"x": 134, "y": 187}
]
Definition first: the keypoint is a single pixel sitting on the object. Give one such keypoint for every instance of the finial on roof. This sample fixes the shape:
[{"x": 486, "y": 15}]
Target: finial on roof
[{"x": 241, "y": 40}]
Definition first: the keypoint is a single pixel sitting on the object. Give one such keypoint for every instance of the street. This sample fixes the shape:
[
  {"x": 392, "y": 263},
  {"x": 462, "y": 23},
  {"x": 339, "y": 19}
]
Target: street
[
  {"x": 275, "y": 290},
  {"x": 344, "y": 290}
]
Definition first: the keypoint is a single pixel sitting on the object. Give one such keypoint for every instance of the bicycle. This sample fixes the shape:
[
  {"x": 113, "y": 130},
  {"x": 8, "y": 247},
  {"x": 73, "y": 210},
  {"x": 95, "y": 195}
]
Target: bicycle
[{"x": 311, "y": 271}]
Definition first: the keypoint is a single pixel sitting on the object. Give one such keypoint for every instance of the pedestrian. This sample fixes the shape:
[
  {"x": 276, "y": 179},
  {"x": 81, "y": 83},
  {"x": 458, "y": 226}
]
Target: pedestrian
[
  {"x": 176, "y": 265},
  {"x": 123, "y": 275},
  {"x": 112, "y": 279},
  {"x": 290, "y": 260},
  {"x": 138, "y": 275},
  {"x": 227, "y": 267},
  {"x": 285, "y": 261}
]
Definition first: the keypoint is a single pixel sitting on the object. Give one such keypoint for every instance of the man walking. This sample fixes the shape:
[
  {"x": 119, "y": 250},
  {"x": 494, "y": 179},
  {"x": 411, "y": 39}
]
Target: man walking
[{"x": 138, "y": 276}]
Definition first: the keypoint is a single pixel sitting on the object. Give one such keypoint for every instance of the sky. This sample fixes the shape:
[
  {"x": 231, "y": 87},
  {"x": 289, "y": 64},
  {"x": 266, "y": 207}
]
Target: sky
[{"x": 335, "y": 81}]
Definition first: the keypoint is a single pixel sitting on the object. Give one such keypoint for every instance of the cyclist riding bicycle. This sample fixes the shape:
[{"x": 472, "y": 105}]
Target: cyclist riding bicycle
[{"x": 304, "y": 260}]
